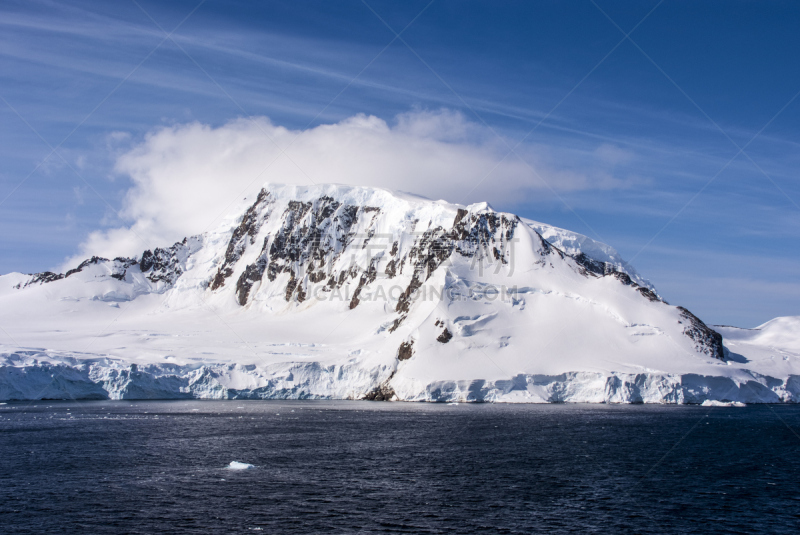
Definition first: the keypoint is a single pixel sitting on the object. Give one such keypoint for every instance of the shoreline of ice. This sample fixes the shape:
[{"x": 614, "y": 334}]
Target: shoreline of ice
[{"x": 99, "y": 380}]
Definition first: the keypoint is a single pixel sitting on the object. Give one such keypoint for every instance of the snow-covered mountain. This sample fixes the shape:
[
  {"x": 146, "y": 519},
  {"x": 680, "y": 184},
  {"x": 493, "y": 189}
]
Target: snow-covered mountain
[{"x": 346, "y": 292}]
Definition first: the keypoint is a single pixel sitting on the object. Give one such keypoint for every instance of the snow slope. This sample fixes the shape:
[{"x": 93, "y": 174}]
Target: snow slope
[{"x": 346, "y": 292}]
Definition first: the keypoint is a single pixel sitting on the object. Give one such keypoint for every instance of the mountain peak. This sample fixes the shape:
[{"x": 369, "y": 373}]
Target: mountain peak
[{"x": 341, "y": 291}]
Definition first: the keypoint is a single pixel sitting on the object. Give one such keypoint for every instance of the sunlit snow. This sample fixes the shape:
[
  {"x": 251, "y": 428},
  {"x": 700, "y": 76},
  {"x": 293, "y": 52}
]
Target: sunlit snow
[{"x": 299, "y": 296}]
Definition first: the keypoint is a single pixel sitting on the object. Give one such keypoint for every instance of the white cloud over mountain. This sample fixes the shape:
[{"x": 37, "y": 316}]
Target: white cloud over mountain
[{"x": 185, "y": 177}]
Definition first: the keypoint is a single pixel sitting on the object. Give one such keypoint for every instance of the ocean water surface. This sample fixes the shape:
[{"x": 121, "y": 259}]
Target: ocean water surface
[{"x": 372, "y": 467}]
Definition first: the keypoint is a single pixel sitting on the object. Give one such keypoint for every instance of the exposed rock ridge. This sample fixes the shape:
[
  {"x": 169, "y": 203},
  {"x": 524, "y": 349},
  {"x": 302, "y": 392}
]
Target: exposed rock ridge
[
  {"x": 159, "y": 265},
  {"x": 307, "y": 246},
  {"x": 707, "y": 340},
  {"x": 117, "y": 267},
  {"x": 593, "y": 267},
  {"x": 164, "y": 264},
  {"x": 480, "y": 236},
  {"x": 382, "y": 392},
  {"x": 246, "y": 231}
]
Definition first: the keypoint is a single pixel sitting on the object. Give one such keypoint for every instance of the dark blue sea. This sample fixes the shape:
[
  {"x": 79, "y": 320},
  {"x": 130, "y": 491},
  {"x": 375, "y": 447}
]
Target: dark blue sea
[{"x": 373, "y": 467}]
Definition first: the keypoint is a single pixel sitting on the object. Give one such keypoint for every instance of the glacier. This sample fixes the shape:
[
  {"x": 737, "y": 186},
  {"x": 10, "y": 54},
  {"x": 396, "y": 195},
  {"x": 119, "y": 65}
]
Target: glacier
[{"x": 344, "y": 292}]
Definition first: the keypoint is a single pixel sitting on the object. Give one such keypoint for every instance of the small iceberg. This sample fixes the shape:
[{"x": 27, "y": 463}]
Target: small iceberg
[
  {"x": 236, "y": 465},
  {"x": 715, "y": 403}
]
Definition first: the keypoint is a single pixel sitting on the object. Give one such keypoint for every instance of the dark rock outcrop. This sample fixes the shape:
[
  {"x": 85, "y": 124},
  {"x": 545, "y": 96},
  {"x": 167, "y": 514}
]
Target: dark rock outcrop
[
  {"x": 246, "y": 231},
  {"x": 406, "y": 350},
  {"x": 42, "y": 278},
  {"x": 706, "y": 340},
  {"x": 118, "y": 268},
  {"x": 310, "y": 240},
  {"x": 251, "y": 274},
  {"x": 163, "y": 264},
  {"x": 85, "y": 263},
  {"x": 591, "y": 267},
  {"x": 445, "y": 337},
  {"x": 383, "y": 392}
]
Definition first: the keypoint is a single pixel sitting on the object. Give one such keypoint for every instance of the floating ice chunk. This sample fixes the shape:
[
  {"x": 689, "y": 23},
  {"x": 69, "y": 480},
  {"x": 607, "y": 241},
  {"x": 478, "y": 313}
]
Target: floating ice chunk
[
  {"x": 236, "y": 465},
  {"x": 715, "y": 403}
]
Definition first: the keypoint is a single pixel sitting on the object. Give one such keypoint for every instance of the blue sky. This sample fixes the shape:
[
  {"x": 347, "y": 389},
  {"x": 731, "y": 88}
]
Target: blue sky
[{"x": 638, "y": 139}]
